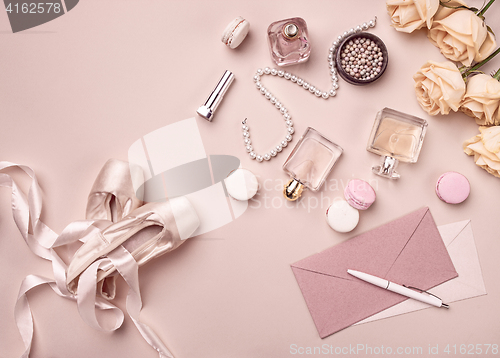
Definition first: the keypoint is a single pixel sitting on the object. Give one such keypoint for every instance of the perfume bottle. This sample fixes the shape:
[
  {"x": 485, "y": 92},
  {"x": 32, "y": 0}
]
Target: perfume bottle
[
  {"x": 309, "y": 163},
  {"x": 396, "y": 136},
  {"x": 289, "y": 41}
]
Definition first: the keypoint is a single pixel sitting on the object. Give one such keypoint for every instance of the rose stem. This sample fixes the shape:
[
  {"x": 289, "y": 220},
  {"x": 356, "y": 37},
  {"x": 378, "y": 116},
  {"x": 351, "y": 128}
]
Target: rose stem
[
  {"x": 481, "y": 13},
  {"x": 477, "y": 65}
]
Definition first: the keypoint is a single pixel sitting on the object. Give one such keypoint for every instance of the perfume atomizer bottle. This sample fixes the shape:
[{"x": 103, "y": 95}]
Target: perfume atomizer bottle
[
  {"x": 309, "y": 164},
  {"x": 289, "y": 41},
  {"x": 396, "y": 136}
]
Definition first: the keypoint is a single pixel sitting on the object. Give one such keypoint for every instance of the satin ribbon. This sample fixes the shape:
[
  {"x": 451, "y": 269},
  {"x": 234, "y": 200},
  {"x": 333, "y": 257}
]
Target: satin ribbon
[{"x": 26, "y": 210}]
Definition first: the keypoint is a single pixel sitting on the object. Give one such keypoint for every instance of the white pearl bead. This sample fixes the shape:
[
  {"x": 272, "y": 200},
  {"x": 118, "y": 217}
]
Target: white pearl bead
[
  {"x": 339, "y": 38},
  {"x": 267, "y": 70},
  {"x": 335, "y": 43},
  {"x": 300, "y": 81},
  {"x": 317, "y": 93},
  {"x": 277, "y": 104},
  {"x": 267, "y": 156},
  {"x": 358, "y": 28},
  {"x": 364, "y": 26},
  {"x": 325, "y": 95},
  {"x": 287, "y": 75},
  {"x": 244, "y": 127},
  {"x": 371, "y": 23},
  {"x": 332, "y": 93},
  {"x": 258, "y": 84},
  {"x": 281, "y": 73},
  {"x": 260, "y": 72},
  {"x": 331, "y": 49},
  {"x": 293, "y": 78},
  {"x": 284, "y": 143},
  {"x": 259, "y": 158},
  {"x": 256, "y": 78},
  {"x": 345, "y": 34},
  {"x": 288, "y": 138},
  {"x": 312, "y": 89},
  {"x": 247, "y": 141},
  {"x": 249, "y": 148},
  {"x": 331, "y": 64},
  {"x": 351, "y": 31},
  {"x": 274, "y": 72},
  {"x": 283, "y": 110},
  {"x": 267, "y": 94},
  {"x": 253, "y": 155},
  {"x": 272, "y": 100},
  {"x": 279, "y": 148},
  {"x": 246, "y": 134},
  {"x": 335, "y": 86},
  {"x": 306, "y": 85},
  {"x": 291, "y": 130},
  {"x": 273, "y": 153},
  {"x": 262, "y": 89},
  {"x": 287, "y": 116},
  {"x": 330, "y": 56},
  {"x": 289, "y": 123},
  {"x": 335, "y": 78}
]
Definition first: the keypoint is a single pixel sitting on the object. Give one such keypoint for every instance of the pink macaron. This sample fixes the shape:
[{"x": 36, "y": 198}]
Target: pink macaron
[
  {"x": 359, "y": 194},
  {"x": 452, "y": 188}
]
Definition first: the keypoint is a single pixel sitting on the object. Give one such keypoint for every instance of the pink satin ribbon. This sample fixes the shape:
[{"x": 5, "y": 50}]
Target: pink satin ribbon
[{"x": 26, "y": 210}]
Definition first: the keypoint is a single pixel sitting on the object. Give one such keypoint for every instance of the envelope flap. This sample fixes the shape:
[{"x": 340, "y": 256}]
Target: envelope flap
[
  {"x": 424, "y": 262},
  {"x": 373, "y": 252}
]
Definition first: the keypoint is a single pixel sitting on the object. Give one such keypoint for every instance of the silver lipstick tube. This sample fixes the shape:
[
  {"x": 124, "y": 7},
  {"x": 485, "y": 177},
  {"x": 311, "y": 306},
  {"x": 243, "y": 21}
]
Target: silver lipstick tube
[{"x": 207, "y": 111}]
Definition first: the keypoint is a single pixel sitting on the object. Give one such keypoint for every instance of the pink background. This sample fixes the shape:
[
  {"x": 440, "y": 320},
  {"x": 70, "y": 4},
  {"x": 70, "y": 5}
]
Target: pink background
[{"x": 81, "y": 89}]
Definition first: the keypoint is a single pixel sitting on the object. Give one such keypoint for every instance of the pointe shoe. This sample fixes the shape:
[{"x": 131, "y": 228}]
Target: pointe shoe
[
  {"x": 111, "y": 198},
  {"x": 113, "y": 195},
  {"x": 147, "y": 232}
]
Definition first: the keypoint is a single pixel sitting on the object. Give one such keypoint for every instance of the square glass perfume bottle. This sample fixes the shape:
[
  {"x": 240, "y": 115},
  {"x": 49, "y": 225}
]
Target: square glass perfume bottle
[
  {"x": 289, "y": 41},
  {"x": 309, "y": 163},
  {"x": 396, "y": 136}
]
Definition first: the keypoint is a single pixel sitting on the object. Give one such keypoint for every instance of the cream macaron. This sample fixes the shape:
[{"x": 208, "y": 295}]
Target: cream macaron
[{"x": 235, "y": 32}]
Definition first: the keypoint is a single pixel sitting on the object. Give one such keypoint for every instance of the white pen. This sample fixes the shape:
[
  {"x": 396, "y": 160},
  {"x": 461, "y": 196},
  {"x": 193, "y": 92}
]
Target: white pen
[{"x": 394, "y": 287}]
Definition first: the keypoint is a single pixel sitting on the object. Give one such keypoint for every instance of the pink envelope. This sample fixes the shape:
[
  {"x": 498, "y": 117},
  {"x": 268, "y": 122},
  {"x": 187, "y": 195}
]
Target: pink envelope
[{"x": 406, "y": 251}]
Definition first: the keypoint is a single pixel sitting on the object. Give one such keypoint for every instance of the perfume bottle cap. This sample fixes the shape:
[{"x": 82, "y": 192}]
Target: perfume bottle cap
[
  {"x": 293, "y": 189},
  {"x": 290, "y": 31},
  {"x": 207, "y": 111},
  {"x": 387, "y": 168}
]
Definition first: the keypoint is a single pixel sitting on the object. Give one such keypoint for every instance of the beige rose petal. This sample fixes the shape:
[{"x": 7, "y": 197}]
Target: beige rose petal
[
  {"x": 482, "y": 100},
  {"x": 408, "y": 16},
  {"x": 461, "y": 35},
  {"x": 491, "y": 138}
]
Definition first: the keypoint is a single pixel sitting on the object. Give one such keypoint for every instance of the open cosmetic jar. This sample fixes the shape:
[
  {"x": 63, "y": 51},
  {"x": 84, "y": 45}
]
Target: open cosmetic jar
[{"x": 361, "y": 58}]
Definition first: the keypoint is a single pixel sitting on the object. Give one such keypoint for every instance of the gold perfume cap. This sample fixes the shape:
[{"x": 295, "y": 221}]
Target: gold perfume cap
[{"x": 293, "y": 190}]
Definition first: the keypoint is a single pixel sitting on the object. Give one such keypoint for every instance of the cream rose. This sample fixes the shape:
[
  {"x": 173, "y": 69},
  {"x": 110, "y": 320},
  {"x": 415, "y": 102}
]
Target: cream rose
[
  {"x": 439, "y": 87},
  {"x": 482, "y": 100},
  {"x": 410, "y": 15},
  {"x": 461, "y": 35},
  {"x": 486, "y": 149}
]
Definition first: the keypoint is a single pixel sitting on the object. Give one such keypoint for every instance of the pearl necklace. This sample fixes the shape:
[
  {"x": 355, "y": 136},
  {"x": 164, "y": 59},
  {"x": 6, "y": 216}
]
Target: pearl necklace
[{"x": 305, "y": 85}]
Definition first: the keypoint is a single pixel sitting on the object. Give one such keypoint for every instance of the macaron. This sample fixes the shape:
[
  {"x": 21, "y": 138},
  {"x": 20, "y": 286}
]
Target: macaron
[
  {"x": 241, "y": 184},
  {"x": 359, "y": 194},
  {"x": 341, "y": 216},
  {"x": 235, "y": 32},
  {"x": 452, "y": 188}
]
